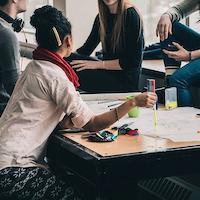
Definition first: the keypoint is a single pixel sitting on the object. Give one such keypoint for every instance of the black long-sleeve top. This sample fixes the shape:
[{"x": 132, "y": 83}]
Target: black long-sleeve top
[{"x": 130, "y": 56}]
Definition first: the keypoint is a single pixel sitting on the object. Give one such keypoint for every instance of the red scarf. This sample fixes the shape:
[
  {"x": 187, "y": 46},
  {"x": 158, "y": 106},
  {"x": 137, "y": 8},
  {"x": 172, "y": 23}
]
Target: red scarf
[{"x": 44, "y": 54}]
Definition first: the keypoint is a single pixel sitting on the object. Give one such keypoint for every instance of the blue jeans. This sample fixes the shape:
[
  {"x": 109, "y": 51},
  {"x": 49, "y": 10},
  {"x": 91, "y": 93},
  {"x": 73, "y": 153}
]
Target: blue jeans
[{"x": 188, "y": 75}]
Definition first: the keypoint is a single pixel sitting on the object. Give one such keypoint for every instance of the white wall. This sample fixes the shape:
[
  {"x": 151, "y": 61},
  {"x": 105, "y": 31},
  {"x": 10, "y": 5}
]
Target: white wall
[
  {"x": 81, "y": 14},
  {"x": 60, "y": 5}
]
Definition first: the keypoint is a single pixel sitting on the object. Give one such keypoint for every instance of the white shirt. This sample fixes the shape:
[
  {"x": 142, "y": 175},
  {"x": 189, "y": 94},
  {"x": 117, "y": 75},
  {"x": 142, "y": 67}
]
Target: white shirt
[{"x": 41, "y": 96}]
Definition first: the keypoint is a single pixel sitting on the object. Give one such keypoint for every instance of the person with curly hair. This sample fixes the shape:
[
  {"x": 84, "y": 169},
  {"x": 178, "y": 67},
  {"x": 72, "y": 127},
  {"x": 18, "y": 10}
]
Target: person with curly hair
[{"x": 44, "y": 98}]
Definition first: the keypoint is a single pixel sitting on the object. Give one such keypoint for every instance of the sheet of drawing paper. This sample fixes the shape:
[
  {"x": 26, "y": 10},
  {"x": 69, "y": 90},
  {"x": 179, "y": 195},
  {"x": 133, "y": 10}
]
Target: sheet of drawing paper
[{"x": 178, "y": 125}]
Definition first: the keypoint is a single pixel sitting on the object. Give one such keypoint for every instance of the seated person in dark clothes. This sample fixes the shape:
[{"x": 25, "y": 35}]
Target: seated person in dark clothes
[{"x": 118, "y": 27}]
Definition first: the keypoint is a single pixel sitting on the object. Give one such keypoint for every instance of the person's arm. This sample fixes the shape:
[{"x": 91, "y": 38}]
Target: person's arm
[
  {"x": 9, "y": 60},
  {"x": 183, "y": 9},
  {"x": 178, "y": 12},
  {"x": 195, "y": 54},
  {"x": 131, "y": 56},
  {"x": 80, "y": 65},
  {"x": 88, "y": 47},
  {"x": 105, "y": 120},
  {"x": 68, "y": 100},
  {"x": 182, "y": 54},
  {"x": 92, "y": 40},
  {"x": 102, "y": 121},
  {"x": 78, "y": 114},
  {"x": 132, "y": 53}
]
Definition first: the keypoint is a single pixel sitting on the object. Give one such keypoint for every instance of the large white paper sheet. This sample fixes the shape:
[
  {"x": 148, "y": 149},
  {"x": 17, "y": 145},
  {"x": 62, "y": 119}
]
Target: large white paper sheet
[{"x": 178, "y": 125}]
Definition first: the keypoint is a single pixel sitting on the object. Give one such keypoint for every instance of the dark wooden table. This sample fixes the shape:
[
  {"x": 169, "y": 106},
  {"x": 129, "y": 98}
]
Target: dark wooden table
[{"x": 113, "y": 169}]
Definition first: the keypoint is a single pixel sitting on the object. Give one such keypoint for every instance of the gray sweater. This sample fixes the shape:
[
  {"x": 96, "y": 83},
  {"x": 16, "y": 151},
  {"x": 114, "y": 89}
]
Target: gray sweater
[
  {"x": 183, "y": 9},
  {"x": 9, "y": 62}
]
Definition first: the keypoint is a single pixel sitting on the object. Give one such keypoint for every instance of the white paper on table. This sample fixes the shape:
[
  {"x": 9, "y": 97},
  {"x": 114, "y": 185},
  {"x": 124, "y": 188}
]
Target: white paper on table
[{"x": 178, "y": 125}]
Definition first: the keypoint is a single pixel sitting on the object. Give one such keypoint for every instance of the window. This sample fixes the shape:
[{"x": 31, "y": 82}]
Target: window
[
  {"x": 194, "y": 21},
  {"x": 151, "y": 11},
  {"x": 32, "y": 5}
]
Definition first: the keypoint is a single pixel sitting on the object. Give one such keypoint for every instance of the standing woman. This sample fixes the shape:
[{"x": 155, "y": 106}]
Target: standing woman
[{"x": 118, "y": 27}]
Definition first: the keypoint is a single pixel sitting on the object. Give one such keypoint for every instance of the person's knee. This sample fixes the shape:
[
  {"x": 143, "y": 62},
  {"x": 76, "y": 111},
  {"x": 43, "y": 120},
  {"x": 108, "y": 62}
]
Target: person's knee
[
  {"x": 176, "y": 25},
  {"x": 176, "y": 80}
]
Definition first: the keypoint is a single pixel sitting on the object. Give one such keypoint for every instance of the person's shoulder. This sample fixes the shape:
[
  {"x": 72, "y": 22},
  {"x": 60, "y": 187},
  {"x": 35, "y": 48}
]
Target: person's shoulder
[
  {"x": 47, "y": 70},
  {"x": 96, "y": 21},
  {"x": 133, "y": 17},
  {"x": 97, "y": 18},
  {"x": 6, "y": 28},
  {"x": 132, "y": 12},
  {"x": 7, "y": 33},
  {"x": 133, "y": 20}
]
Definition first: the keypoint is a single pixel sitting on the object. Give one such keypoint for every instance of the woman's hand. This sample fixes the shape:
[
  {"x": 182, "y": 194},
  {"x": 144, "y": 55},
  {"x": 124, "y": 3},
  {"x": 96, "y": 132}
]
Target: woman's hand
[
  {"x": 146, "y": 99},
  {"x": 80, "y": 65},
  {"x": 180, "y": 55},
  {"x": 164, "y": 27}
]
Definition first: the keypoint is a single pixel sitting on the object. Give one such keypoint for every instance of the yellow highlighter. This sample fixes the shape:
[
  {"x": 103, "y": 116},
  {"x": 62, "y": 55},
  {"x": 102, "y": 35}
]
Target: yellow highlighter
[{"x": 151, "y": 88}]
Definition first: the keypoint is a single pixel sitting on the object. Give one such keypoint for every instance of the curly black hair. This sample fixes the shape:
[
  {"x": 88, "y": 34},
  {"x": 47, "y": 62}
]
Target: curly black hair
[
  {"x": 3, "y": 2},
  {"x": 44, "y": 20}
]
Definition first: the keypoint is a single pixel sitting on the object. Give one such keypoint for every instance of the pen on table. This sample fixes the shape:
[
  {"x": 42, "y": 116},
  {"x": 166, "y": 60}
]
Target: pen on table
[
  {"x": 105, "y": 101},
  {"x": 114, "y": 104},
  {"x": 86, "y": 135},
  {"x": 73, "y": 130}
]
